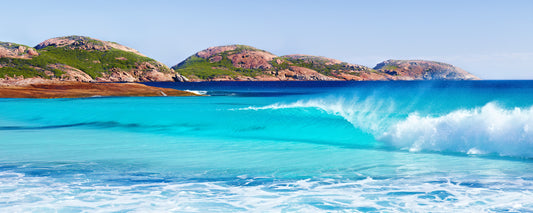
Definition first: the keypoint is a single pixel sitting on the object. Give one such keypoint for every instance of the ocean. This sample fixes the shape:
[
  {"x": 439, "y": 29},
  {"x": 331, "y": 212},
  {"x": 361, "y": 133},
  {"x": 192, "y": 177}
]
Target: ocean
[{"x": 401, "y": 146}]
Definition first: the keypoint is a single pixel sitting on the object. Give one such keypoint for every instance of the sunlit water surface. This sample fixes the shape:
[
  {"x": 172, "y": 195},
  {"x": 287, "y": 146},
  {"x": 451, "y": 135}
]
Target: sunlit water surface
[{"x": 274, "y": 146}]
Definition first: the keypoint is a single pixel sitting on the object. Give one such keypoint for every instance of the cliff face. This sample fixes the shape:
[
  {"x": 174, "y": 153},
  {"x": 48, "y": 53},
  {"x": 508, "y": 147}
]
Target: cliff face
[
  {"x": 78, "y": 58},
  {"x": 424, "y": 70}
]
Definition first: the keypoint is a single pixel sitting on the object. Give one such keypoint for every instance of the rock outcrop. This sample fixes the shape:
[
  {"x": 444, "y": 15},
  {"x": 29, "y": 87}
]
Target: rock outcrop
[
  {"x": 240, "y": 56},
  {"x": 227, "y": 63},
  {"x": 123, "y": 67},
  {"x": 84, "y": 43},
  {"x": 424, "y": 70},
  {"x": 84, "y": 59},
  {"x": 337, "y": 69},
  {"x": 71, "y": 73},
  {"x": 245, "y": 63},
  {"x": 12, "y": 50}
]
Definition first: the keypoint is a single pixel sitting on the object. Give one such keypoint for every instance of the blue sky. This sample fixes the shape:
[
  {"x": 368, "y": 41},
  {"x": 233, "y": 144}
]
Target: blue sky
[{"x": 491, "y": 39}]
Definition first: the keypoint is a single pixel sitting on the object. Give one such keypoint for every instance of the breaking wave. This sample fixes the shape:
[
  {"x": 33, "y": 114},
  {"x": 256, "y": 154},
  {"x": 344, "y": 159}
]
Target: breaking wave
[
  {"x": 489, "y": 129},
  {"x": 486, "y": 130}
]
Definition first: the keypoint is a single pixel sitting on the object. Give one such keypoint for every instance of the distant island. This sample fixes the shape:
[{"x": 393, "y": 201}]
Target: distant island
[{"x": 84, "y": 59}]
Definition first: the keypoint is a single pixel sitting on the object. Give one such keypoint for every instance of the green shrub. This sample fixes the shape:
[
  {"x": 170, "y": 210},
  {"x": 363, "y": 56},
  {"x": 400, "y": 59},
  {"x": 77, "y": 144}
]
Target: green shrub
[{"x": 25, "y": 71}]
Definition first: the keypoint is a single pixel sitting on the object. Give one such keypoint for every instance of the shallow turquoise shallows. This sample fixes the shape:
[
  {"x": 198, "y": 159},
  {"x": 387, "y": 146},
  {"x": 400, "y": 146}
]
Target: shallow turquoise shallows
[{"x": 274, "y": 146}]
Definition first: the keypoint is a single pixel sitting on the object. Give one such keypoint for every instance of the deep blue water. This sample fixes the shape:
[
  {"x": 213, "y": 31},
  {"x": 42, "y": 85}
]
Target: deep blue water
[{"x": 274, "y": 146}]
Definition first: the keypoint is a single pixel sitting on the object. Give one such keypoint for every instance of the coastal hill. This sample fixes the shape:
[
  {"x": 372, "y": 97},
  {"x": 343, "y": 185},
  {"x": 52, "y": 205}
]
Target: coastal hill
[
  {"x": 424, "y": 70},
  {"x": 79, "y": 58},
  {"x": 240, "y": 62},
  {"x": 336, "y": 69},
  {"x": 85, "y": 59}
]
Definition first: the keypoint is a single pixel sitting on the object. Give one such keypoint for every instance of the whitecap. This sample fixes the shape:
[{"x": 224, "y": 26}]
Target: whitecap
[
  {"x": 490, "y": 129},
  {"x": 198, "y": 92}
]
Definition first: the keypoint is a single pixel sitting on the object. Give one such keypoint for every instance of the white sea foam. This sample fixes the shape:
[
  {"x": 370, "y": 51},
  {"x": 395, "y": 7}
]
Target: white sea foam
[
  {"x": 419, "y": 194},
  {"x": 198, "y": 92},
  {"x": 489, "y": 129},
  {"x": 486, "y": 130}
]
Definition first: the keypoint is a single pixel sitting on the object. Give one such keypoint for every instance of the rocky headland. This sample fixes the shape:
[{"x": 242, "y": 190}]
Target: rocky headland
[
  {"x": 245, "y": 63},
  {"x": 84, "y": 59},
  {"x": 424, "y": 70},
  {"x": 75, "y": 66}
]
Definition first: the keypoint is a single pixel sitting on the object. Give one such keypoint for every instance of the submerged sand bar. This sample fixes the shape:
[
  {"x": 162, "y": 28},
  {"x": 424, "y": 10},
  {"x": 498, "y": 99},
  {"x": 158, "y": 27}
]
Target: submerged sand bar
[{"x": 80, "y": 90}]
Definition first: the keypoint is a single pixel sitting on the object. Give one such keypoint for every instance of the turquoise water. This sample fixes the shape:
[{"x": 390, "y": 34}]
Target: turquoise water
[{"x": 274, "y": 146}]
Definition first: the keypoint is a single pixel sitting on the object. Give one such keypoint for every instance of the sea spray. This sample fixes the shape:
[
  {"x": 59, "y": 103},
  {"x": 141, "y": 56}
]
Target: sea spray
[
  {"x": 369, "y": 114},
  {"x": 490, "y": 129},
  {"x": 485, "y": 130}
]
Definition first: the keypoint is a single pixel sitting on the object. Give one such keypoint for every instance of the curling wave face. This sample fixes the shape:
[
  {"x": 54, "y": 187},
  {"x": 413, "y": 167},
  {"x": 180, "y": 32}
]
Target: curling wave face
[{"x": 489, "y": 129}]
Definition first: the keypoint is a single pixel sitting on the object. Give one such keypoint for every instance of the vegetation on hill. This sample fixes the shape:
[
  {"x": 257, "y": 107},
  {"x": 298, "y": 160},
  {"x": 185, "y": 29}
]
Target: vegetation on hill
[
  {"x": 93, "y": 57},
  {"x": 13, "y": 46},
  {"x": 12, "y": 66},
  {"x": 82, "y": 58},
  {"x": 324, "y": 65},
  {"x": 94, "y": 63},
  {"x": 245, "y": 62},
  {"x": 210, "y": 64},
  {"x": 203, "y": 69}
]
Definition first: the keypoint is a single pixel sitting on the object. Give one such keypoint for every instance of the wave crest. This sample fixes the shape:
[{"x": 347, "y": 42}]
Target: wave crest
[
  {"x": 490, "y": 129},
  {"x": 369, "y": 114}
]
